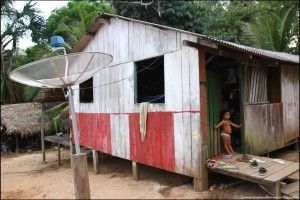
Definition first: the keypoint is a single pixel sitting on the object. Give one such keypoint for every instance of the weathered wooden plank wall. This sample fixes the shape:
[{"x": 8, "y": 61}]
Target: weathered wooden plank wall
[
  {"x": 128, "y": 42},
  {"x": 263, "y": 128},
  {"x": 290, "y": 101},
  {"x": 263, "y": 119},
  {"x": 256, "y": 82}
]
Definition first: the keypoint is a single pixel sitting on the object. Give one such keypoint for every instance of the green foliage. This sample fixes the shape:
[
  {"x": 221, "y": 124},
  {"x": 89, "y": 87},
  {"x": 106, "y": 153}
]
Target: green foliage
[
  {"x": 72, "y": 20},
  {"x": 225, "y": 19},
  {"x": 57, "y": 114},
  {"x": 275, "y": 30},
  {"x": 28, "y": 93},
  {"x": 10, "y": 91},
  {"x": 219, "y": 19},
  {"x": 185, "y": 15},
  {"x": 16, "y": 24}
]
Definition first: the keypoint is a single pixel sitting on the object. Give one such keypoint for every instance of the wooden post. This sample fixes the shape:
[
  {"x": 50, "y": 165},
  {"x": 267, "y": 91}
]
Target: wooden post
[
  {"x": 43, "y": 139},
  {"x": 198, "y": 184},
  {"x": 17, "y": 144},
  {"x": 202, "y": 183},
  {"x": 135, "y": 171},
  {"x": 102, "y": 157},
  {"x": 58, "y": 154},
  {"x": 71, "y": 147},
  {"x": 276, "y": 190},
  {"x": 297, "y": 145},
  {"x": 96, "y": 161},
  {"x": 80, "y": 176}
]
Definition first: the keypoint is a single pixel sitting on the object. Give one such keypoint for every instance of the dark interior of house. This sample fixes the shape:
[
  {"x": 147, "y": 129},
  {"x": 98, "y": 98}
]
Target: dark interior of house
[
  {"x": 225, "y": 87},
  {"x": 150, "y": 80},
  {"x": 86, "y": 91}
]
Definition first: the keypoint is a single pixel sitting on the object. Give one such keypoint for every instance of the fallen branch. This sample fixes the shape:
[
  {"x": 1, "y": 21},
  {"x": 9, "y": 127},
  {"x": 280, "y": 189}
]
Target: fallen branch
[{"x": 136, "y": 2}]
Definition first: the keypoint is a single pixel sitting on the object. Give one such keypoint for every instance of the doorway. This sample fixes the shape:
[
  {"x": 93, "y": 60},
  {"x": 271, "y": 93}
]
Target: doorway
[{"x": 224, "y": 80}]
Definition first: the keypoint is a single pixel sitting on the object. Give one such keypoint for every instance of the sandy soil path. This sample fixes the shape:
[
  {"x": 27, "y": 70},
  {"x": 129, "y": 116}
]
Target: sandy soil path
[{"x": 25, "y": 176}]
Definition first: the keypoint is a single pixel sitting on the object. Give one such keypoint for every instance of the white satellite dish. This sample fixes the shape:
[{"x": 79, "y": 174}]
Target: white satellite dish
[{"x": 62, "y": 71}]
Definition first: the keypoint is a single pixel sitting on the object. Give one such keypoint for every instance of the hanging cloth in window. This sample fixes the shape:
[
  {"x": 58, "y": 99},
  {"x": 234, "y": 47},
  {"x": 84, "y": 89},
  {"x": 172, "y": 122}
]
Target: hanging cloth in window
[{"x": 143, "y": 120}]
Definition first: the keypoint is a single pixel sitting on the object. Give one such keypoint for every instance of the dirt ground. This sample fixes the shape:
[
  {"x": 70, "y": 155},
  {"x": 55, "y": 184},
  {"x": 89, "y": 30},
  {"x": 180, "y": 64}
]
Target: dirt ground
[{"x": 25, "y": 176}]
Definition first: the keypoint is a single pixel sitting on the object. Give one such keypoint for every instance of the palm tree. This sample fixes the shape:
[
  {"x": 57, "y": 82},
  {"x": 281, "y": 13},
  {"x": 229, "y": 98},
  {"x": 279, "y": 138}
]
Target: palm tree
[
  {"x": 15, "y": 26},
  {"x": 57, "y": 114},
  {"x": 17, "y": 23},
  {"x": 276, "y": 31}
]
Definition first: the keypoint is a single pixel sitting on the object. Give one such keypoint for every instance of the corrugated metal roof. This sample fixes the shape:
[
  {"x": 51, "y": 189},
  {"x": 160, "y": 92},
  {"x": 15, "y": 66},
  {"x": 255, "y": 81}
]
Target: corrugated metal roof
[
  {"x": 262, "y": 52},
  {"x": 281, "y": 56}
]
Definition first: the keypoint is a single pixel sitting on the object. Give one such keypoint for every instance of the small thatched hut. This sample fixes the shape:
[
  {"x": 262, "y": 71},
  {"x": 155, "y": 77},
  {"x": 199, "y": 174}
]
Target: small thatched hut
[
  {"x": 24, "y": 119},
  {"x": 20, "y": 120}
]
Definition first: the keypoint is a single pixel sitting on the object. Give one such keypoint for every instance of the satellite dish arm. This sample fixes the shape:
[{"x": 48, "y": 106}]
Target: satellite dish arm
[
  {"x": 67, "y": 64},
  {"x": 74, "y": 120}
]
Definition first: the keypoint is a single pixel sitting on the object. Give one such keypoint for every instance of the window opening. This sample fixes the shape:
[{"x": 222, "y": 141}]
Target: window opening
[
  {"x": 86, "y": 91},
  {"x": 149, "y": 80},
  {"x": 273, "y": 85}
]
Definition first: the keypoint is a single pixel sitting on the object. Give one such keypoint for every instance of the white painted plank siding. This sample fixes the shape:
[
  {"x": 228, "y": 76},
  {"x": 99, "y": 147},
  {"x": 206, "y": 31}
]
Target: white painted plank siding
[
  {"x": 173, "y": 88},
  {"x": 194, "y": 78},
  {"x": 178, "y": 143},
  {"x": 196, "y": 145},
  {"x": 120, "y": 136}
]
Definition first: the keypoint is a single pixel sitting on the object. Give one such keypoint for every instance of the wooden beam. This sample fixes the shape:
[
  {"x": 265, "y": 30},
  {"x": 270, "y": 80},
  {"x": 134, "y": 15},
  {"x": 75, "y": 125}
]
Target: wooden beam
[
  {"x": 220, "y": 51},
  {"x": 58, "y": 154},
  {"x": 96, "y": 161},
  {"x": 17, "y": 144},
  {"x": 207, "y": 43},
  {"x": 42, "y": 138},
  {"x": 135, "y": 171},
  {"x": 202, "y": 184},
  {"x": 104, "y": 21},
  {"x": 58, "y": 139}
]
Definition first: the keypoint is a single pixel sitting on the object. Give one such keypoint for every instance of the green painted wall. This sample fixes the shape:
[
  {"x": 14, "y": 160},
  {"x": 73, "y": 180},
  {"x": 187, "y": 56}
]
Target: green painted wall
[{"x": 214, "y": 103}]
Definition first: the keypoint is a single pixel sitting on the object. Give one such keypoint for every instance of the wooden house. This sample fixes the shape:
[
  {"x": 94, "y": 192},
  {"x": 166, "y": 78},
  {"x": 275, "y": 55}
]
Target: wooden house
[{"x": 188, "y": 79}]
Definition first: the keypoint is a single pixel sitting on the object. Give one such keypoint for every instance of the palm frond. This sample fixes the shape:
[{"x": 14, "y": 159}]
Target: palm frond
[
  {"x": 56, "y": 116},
  {"x": 273, "y": 31}
]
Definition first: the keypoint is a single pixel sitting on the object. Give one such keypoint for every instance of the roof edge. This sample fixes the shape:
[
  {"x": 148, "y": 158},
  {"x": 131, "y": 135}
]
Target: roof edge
[{"x": 104, "y": 17}]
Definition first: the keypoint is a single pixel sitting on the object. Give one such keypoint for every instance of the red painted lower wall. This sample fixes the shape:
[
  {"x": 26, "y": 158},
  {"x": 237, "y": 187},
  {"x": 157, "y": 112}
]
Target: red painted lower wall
[
  {"x": 157, "y": 150},
  {"x": 158, "y": 147},
  {"x": 94, "y": 131}
]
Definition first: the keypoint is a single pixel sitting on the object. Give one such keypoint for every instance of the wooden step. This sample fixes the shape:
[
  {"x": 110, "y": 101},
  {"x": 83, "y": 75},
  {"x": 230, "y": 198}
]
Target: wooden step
[
  {"x": 291, "y": 190},
  {"x": 293, "y": 177}
]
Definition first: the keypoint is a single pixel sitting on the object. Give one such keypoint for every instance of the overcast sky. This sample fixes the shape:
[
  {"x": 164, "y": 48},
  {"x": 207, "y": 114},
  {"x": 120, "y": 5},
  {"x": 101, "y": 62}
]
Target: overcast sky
[{"x": 46, "y": 7}]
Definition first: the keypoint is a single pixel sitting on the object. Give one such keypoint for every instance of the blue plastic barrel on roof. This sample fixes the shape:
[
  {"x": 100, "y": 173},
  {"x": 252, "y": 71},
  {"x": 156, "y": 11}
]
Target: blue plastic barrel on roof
[{"x": 57, "y": 41}]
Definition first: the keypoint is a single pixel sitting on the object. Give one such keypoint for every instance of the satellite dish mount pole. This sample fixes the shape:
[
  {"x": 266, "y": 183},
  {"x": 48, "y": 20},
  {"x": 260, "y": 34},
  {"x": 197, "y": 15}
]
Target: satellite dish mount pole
[
  {"x": 79, "y": 160},
  {"x": 73, "y": 119},
  {"x": 57, "y": 44}
]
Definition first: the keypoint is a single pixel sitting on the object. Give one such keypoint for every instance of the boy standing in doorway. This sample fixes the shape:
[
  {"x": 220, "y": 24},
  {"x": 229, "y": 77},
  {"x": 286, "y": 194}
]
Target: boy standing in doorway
[{"x": 226, "y": 131}]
